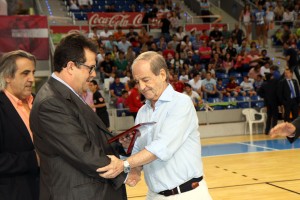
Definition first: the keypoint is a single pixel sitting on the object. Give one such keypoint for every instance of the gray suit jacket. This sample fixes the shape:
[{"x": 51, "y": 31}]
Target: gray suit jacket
[{"x": 72, "y": 143}]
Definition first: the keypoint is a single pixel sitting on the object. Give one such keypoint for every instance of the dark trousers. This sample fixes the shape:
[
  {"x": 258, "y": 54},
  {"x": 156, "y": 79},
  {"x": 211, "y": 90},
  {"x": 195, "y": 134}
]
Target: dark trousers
[
  {"x": 272, "y": 117},
  {"x": 291, "y": 106}
]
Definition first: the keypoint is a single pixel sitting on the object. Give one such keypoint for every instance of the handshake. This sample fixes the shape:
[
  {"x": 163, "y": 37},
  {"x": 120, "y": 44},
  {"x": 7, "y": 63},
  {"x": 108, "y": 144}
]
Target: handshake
[
  {"x": 116, "y": 167},
  {"x": 133, "y": 177}
]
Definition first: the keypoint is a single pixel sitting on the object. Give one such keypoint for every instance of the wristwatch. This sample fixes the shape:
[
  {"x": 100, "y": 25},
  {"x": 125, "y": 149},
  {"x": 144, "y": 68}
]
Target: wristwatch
[{"x": 126, "y": 166}]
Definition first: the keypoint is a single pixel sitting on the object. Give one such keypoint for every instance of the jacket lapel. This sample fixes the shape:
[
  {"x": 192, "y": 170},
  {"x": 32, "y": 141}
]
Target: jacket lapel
[
  {"x": 14, "y": 116},
  {"x": 83, "y": 109}
]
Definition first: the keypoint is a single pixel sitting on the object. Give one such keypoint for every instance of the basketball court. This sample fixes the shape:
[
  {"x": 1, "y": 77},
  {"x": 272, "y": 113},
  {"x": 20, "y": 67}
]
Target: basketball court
[{"x": 246, "y": 168}]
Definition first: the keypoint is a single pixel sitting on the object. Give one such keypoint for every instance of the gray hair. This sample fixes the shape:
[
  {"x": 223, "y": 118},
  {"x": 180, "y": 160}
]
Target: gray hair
[
  {"x": 8, "y": 66},
  {"x": 156, "y": 61}
]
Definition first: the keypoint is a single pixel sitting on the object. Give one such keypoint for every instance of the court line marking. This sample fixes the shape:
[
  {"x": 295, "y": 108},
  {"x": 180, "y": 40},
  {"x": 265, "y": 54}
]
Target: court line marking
[
  {"x": 254, "y": 145},
  {"x": 232, "y": 154},
  {"x": 242, "y": 143},
  {"x": 298, "y": 179},
  {"x": 256, "y": 183},
  {"x": 268, "y": 183}
]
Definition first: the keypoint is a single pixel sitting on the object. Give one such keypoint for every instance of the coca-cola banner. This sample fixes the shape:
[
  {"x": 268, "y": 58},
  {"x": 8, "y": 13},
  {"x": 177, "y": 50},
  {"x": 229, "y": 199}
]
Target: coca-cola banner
[
  {"x": 28, "y": 33},
  {"x": 112, "y": 20}
]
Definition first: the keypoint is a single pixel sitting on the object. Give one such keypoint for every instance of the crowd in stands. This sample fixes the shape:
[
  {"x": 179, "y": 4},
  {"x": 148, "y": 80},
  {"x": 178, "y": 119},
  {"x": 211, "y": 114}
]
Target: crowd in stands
[
  {"x": 269, "y": 14},
  {"x": 216, "y": 65}
]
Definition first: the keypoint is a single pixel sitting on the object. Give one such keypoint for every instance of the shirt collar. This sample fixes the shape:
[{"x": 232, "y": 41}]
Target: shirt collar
[
  {"x": 17, "y": 101},
  {"x": 167, "y": 95},
  {"x": 53, "y": 75}
]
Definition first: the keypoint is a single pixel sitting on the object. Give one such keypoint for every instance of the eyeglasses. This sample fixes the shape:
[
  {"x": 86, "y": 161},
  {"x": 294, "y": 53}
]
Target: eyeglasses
[{"x": 91, "y": 68}]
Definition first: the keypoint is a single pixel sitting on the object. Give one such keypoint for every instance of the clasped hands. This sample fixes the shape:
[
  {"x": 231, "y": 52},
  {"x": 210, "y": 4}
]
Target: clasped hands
[{"x": 116, "y": 167}]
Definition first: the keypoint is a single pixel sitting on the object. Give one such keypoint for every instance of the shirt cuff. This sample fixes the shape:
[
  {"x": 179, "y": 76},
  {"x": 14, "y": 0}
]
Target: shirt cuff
[{"x": 291, "y": 136}]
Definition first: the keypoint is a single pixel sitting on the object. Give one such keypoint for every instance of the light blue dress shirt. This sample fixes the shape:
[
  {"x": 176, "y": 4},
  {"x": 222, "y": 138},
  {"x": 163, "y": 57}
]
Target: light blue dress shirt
[{"x": 174, "y": 139}]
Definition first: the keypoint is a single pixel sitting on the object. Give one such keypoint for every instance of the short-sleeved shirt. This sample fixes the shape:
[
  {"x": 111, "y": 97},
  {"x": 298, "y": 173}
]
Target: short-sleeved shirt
[
  {"x": 259, "y": 17},
  {"x": 209, "y": 85},
  {"x": 98, "y": 99},
  {"x": 246, "y": 86},
  {"x": 195, "y": 85},
  {"x": 117, "y": 88}
]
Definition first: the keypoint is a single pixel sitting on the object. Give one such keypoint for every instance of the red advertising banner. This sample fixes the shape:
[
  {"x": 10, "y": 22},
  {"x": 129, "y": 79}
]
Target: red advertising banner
[
  {"x": 68, "y": 29},
  {"x": 28, "y": 33},
  {"x": 124, "y": 19}
]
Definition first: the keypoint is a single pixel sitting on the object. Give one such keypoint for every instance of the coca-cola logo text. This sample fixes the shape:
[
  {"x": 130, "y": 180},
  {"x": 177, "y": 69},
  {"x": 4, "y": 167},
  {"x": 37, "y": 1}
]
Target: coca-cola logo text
[{"x": 116, "y": 19}]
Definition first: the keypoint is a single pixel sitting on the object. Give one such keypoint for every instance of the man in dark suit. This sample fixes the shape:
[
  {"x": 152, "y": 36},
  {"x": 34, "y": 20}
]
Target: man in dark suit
[
  {"x": 19, "y": 170},
  {"x": 288, "y": 93},
  {"x": 70, "y": 138},
  {"x": 268, "y": 91}
]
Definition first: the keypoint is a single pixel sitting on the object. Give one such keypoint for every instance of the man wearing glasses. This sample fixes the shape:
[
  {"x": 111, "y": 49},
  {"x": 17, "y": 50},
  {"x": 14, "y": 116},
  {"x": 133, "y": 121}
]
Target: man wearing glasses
[{"x": 70, "y": 138}]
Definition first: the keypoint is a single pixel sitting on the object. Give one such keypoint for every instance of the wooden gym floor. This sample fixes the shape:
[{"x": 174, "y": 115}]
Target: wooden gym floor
[{"x": 246, "y": 168}]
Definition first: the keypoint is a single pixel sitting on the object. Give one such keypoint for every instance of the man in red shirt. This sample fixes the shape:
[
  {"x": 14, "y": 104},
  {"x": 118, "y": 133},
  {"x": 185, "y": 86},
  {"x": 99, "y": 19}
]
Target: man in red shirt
[
  {"x": 177, "y": 84},
  {"x": 205, "y": 53},
  {"x": 134, "y": 99},
  {"x": 169, "y": 52}
]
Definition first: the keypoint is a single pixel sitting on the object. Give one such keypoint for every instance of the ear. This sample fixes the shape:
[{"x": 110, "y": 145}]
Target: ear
[
  {"x": 163, "y": 74},
  {"x": 8, "y": 79},
  {"x": 70, "y": 66}
]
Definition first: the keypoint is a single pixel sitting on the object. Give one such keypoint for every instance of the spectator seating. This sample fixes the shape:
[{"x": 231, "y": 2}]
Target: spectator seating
[
  {"x": 100, "y": 6},
  {"x": 243, "y": 102},
  {"x": 256, "y": 101}
]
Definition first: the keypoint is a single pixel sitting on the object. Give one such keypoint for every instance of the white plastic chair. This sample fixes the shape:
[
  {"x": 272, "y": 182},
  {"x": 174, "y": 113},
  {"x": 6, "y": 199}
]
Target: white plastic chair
[{"x": 250, "y": 114}]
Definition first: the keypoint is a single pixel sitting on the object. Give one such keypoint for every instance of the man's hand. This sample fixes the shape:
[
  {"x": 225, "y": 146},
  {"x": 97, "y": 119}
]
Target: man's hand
[
  {"x": 284, "y": 129},
  {"x": 112, "y": 170},
  {"x": 133, "y": 177}
]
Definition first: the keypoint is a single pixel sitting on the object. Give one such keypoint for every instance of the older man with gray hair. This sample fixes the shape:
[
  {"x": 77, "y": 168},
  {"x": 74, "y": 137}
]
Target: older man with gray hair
[
  {"x": 19, "y": 163},
  {"x": 169, "y": 151}
]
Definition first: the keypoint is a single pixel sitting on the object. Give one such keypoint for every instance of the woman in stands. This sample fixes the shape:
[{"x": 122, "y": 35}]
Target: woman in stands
[
  {"x": 187, "y": 43},
  {"x": 174, "y": 21},
  {"x": 177, "y": 63},
  {"x": 115, "y": 52},
  {"x": 180, "y": 33},
  {"x": 228, "y": 63},
  {"x": 245, "y": 19}
]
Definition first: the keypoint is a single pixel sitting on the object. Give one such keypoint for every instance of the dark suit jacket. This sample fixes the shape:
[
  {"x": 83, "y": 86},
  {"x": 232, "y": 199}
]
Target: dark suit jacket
[
  {"x": 268, "y": 91},
  {"x": 284, "y": 92},
  {"x": 72, "y": 143},
  {"x": 19, "y": 171}
]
